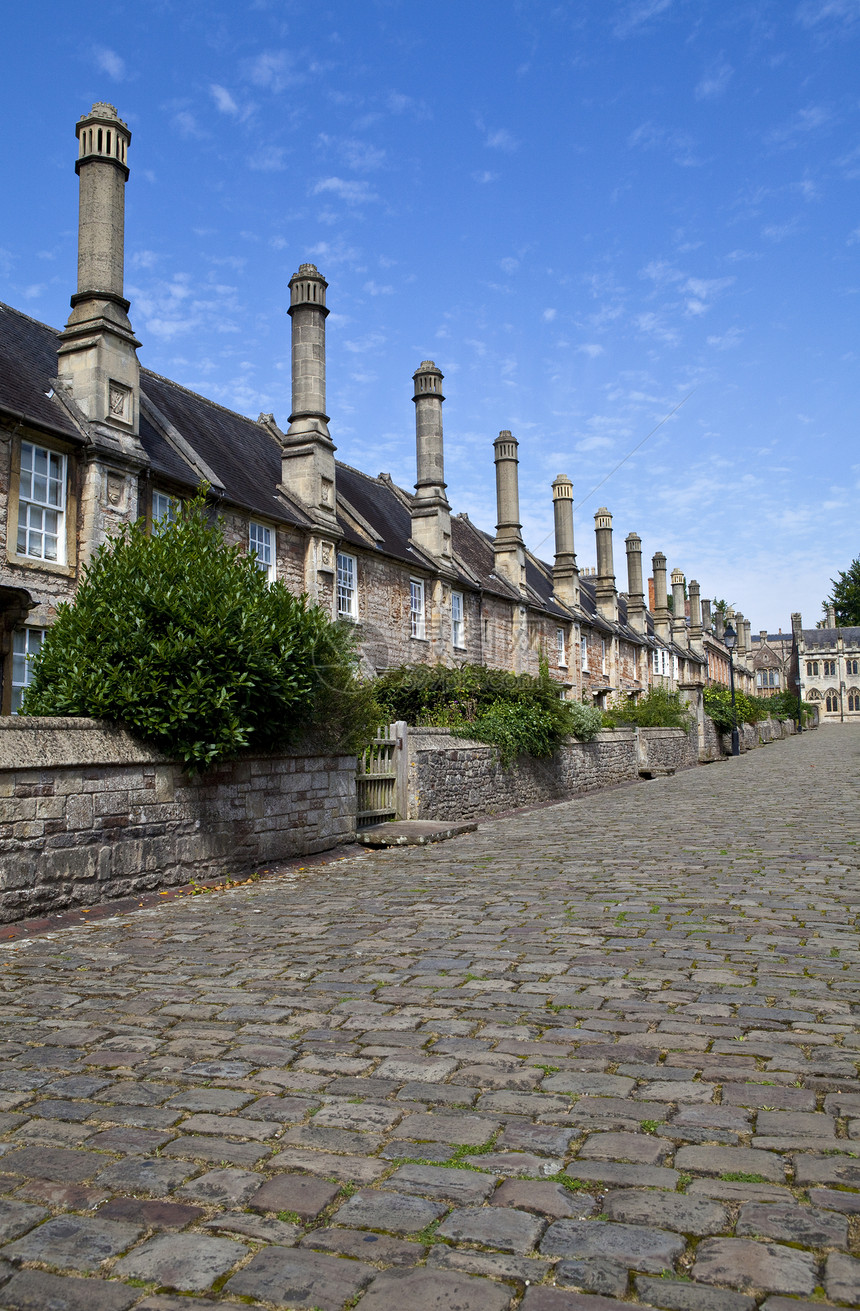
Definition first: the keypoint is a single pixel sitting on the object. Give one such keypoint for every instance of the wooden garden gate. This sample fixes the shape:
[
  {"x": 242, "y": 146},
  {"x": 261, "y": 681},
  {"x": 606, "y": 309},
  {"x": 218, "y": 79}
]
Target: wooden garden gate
[{"x": 381, "y": 777}]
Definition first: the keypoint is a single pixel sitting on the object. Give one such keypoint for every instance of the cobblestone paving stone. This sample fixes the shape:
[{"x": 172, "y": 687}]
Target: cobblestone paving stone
[{"x": 598, "y": 1055}]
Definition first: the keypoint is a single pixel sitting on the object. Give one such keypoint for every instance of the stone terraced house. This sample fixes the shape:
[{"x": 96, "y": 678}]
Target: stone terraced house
[{"x": 90, "y": 440}]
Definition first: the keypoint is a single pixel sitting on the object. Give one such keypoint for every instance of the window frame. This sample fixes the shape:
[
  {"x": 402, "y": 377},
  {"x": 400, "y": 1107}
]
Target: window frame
[
  {"x": 266, "y": 567},
  {"x": 561, "y": 647},
  {"x": 583, "y": 655},
  {"x": 417, "y": 613},
  {"x": 829, "y": 696},
  {"x": 458, "y": 621},
  {"x": 171, "y": 514},
  {"x": 349, "y": 590},
  {"x": 60, "y": 560},
  {"x": 16, "y": 687}
]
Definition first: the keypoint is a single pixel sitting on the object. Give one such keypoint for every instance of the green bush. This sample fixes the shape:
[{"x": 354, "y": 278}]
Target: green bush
[
  {"x": 749, "y": 709},
  {"x": 517, "y": 713},
  {"x": 658, "y": 708},
  {"x": 180, "y": 638}
]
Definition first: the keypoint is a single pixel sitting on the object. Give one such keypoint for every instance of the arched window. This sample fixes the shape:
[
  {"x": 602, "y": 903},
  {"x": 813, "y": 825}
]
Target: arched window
[
  {"x": 831, "y": 702},
  {"x": 812, "y": 668},
  {"x": 852, "y": 666},
  {"x": 854, "y": 699},
  {"x": 814, "y": 695}
]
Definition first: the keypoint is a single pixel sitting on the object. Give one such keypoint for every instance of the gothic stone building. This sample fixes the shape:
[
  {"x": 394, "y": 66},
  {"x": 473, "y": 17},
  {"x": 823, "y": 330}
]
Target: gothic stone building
[
  {"x": 89, "y": 441},
  {"x": 827, "y": 663}
]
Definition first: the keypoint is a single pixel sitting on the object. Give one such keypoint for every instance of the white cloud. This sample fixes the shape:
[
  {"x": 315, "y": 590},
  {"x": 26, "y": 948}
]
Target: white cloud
[
  {"x": 269, "y": 159},
  {"x": 34, "y": 291},
  {"x": 703, "y": 288},
  {"x": 374, "y": 289},
  {"x": 502, "y": 139},
  {"x": 591, "y": 349},
  {"x": 594, "y": 443},
  {"x": 110, "y": 62},
  {"x": 842, "y": 12},
  {"x": 637, "y": 14},
  {"x": 714, "y": 82},
  {"x": 549, "y": 315},
  {"x": 362, "y": 157},
  {"x": 187, "y": 124},
  {"x": 509, "y": 264},
  {"x": 809, "y": 119},
  {"x": 484, "y": 176},
  {"x": 779, "y": 231},
  {"x": 358, "y": 155},
  {"x": 144, "y": 259},
  {"x": 352, "y": 192},
  {"x": 654, "y": 326},
  {"x": 334, "y": 253},
  {"x": 662, "y": 272},
  {"x": 223, "y": 100},
  {"x": 733, "y": 337},
  {"x": 651, "y": 136},
  {"x": 274, "y": 70}
]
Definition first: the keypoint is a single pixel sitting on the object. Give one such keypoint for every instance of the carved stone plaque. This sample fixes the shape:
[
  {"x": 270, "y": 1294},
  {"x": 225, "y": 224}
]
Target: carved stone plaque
[{"x": 119, "y": 402}]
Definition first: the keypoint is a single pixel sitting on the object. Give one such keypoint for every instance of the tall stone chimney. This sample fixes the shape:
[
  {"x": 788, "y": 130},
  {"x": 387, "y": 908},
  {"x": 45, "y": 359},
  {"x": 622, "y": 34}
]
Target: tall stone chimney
[
  {"x": 831, "y": 615},
  {"x": 98, "y": 350},
  {"x": 565, "y": 574},
  {"x": 508, "y": 547},
  {"x": 605, "y": 591},
  {"x": 431, "y": 513},
  {"x": 695, "y": 616},
  {"x": 706, "y": 615},
  {"x": 662, "y": 618},
  {"x": 742, "y": 634},
  {"x": 636, "y": 611},
  {"x": 308, "y": 469},
  {"x": 747, "y": 637},
  {"x": 680, "y": 636}
]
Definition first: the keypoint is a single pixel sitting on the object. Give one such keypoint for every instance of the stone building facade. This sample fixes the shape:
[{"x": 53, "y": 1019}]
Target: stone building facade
[
  {"x": 826, "y": 661},
  {"x": 90, "y": 440},
  {"x": 771, "y": 661}
]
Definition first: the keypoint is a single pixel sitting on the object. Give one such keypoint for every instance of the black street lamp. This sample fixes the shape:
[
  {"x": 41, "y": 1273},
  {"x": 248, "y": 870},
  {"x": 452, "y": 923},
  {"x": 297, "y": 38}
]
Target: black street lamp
[{"x": 730, "y": 638}]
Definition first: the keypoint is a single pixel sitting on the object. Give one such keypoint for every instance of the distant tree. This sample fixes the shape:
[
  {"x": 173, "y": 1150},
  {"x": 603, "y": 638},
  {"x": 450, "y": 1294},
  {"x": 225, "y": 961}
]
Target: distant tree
[{"x": 845, "y": 597}]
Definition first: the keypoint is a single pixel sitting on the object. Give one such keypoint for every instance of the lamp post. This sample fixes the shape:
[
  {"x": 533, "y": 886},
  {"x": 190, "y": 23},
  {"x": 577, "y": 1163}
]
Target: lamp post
[
  {"x": 799, "y": 702},
  {"x": 730, "y": 638}
]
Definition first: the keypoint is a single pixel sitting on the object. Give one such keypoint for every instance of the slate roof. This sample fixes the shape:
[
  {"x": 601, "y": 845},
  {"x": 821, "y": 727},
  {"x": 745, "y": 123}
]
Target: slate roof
[
  {"x": 28, "y": 363},
  {"x": 827, "y": 637},
  {"x": 245, "y": 458}
]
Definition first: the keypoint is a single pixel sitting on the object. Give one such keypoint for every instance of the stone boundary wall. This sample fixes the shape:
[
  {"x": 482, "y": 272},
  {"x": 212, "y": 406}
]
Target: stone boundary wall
[
  {"x": 88, "y": 815},
  {"x": 453, "y": 778}
]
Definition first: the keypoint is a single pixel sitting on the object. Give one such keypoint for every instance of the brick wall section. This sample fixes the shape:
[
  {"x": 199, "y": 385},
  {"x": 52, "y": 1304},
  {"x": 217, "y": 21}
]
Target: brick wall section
[{"x": 88, "y": 815}]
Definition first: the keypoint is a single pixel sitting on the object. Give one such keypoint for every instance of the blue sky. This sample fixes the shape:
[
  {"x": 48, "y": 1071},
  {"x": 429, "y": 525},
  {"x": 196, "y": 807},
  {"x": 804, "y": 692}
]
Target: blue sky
[{"x": 584, "y": 212}]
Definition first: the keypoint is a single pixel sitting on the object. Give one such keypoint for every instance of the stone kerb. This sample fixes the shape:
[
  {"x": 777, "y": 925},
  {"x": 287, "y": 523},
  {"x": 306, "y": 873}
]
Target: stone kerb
[{"x": 87, "y": 814}]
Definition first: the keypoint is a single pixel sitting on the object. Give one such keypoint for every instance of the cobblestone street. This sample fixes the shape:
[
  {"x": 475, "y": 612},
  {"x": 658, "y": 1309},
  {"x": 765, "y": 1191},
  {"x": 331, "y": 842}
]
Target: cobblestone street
[{"x": 601, "y": 1052}]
